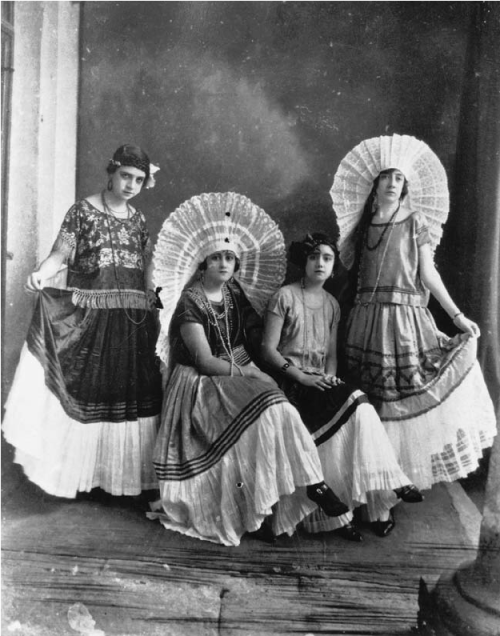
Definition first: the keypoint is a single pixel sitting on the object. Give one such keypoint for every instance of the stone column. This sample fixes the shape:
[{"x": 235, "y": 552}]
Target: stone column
[{"x": 467, "y": 602}]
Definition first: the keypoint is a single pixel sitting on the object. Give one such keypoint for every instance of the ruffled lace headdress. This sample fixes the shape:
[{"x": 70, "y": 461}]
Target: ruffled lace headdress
[
  {"x": 210, "y": 223},
  {"x": 353, "y": 181}
]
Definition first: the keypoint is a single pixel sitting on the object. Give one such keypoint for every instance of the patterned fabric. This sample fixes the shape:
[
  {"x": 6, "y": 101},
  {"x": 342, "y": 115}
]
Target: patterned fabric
[
  {"x": 230, "y": 448},
  {"x": 414, "y": 374},
  {"x": 98, "y": 363},
  {"x": 104, "y": 253},
  {"x": 89, "y": 366}
]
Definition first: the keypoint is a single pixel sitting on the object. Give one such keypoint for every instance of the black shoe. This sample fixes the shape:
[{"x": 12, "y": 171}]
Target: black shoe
[
  {"x": 350, "y": 533},
  {"x": 409, "y": 494},
  {"x": 327, "y": 500},
  {"x": 264, "y": 533},
  {"x": 384, "y": 528}
]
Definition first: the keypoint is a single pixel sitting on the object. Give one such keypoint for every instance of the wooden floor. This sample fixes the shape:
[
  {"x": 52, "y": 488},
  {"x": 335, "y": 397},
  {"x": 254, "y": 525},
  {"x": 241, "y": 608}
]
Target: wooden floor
[{"x": 67, "y": 562}]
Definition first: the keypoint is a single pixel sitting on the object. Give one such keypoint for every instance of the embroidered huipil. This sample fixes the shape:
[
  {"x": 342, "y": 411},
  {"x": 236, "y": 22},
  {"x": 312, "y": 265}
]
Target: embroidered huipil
[{"x": 106, "y": 257}]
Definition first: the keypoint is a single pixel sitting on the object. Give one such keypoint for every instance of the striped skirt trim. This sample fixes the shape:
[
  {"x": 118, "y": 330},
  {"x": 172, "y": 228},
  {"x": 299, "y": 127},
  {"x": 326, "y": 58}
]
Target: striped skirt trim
[{"x": 250, "y": 414}]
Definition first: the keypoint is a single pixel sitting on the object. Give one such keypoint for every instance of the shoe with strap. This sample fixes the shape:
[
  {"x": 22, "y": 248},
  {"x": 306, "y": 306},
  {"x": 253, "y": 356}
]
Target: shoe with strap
[{"x": 326, "y": 499}]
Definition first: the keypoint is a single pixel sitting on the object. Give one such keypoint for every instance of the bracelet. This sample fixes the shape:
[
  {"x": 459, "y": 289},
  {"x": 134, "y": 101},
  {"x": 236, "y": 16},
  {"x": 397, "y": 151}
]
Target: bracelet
[
  {"x": 460, "y": 313},
  {"x": 285, "y": 367}
]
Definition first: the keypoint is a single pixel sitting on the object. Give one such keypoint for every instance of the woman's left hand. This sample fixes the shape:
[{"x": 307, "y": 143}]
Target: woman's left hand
[
  {"x": 468, "y": 326},
  {"x": 333, "y": 379},
  {"x": 151, "y": 298}
]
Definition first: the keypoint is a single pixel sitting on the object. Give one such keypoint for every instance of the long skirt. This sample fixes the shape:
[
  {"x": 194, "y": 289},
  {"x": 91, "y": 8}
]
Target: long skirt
[
  {"x": 427, "y": 388},
  {"x": 83, "y": 411},
  {"x": 357, "y": 458},
  {"x": 230, "y": 452}
]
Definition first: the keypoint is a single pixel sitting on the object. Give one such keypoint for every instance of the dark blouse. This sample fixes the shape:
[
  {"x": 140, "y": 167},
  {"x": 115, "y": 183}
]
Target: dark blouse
[{"x": 194, "y": 307}]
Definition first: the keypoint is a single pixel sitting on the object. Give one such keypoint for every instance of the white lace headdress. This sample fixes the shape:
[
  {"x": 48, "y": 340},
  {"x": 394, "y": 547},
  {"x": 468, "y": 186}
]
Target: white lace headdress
[
  {"x": 353, "y": 181},
  {"x": 210, "y": 223}
]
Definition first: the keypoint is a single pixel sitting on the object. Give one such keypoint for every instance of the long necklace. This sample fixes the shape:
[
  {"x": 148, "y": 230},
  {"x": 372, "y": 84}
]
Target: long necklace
[
  {"x": 118, "y": 282},
  {"x": 109, "y": 210},
  {"x": 214, "y": 318},
  {"x": 379, "y": 273},
  {"x": 325, "y": 321},
  {"x": 381, "y": 237}
]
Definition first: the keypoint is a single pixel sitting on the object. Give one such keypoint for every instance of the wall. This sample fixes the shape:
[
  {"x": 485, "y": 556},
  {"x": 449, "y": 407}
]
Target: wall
[
  {"x": 264, "y": 98},
  {"x": 42, "y": 153}
]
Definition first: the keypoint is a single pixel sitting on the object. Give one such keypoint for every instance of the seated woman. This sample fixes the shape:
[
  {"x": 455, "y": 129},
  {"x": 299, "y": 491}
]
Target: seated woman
[
  {"x": 231, "y": 448},
  {"x": 300, "y": 345}
]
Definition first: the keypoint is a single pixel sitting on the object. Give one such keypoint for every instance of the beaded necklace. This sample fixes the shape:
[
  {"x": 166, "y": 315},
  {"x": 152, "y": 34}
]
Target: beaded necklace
[
  {"x": 214, "y": 318},
  {"x": 386, "y": 227},
  {"x": 109, "y": 210},
  {"x": 325, "y": 322},
  {"x": 379, "y": 273},
  {"x": 118, "y": 282}
]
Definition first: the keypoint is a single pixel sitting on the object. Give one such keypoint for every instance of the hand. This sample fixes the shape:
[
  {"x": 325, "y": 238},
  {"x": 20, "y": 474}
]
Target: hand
[
  {"x": 151, "y": 298},
  {"x": 35, "y": 282},
  {"x": 333, "y": 379},
  {"x": 316, "y": 381},
  {"x": 468, "y": 326},
  {"x": 250, "y": 371}
]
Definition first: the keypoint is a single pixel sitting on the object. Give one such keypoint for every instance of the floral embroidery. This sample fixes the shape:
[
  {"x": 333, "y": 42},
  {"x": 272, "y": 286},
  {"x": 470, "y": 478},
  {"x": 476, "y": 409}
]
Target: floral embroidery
[{"x": 99, "y": 243}]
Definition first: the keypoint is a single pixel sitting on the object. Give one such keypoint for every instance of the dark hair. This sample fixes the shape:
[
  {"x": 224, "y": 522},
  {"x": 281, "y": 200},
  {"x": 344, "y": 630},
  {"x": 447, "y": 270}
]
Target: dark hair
[
  {"x": 300, "y": 250},
  {"x": 129, "y": 155},
  {"x": 366, "y": 217},
  {"x": 203, "y": 265}
]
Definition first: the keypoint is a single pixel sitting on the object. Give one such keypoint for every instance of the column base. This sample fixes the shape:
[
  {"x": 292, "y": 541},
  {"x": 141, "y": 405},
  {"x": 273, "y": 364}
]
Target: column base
[{"x": 448, "y": 610}]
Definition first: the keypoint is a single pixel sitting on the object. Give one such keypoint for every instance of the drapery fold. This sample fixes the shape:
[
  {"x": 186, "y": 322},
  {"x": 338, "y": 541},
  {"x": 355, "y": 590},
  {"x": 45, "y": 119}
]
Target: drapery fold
[{"x": 473, "y": 229}]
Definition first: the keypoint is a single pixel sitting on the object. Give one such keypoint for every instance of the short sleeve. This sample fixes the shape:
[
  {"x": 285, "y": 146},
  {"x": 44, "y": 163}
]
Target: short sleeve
[
  {"x": 146, "y": 244},
  {"x": 69, "y": 232},
  {"x": 421, "y": 230},
  {"x": 335, "y": 309},
  {"x": 278, "y": 304},
  {"x": 188, "y": 310}
]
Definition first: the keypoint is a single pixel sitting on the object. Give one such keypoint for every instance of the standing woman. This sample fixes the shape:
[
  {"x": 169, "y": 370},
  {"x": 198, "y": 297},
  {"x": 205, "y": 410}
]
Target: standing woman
[
  {"x": 390, "y": 196},
  {"x": 84, "y": 407},
  {"x": 300, "y": 347},
  {"x": 231, "y": 449}
]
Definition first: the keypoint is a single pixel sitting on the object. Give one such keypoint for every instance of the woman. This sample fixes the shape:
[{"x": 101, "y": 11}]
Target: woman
[
  {"x": 231, "y": 449},
  {"x": 300, "y": 346},
  {"x": 427, "y": 387},
  {"x": 89, "y": 364}
]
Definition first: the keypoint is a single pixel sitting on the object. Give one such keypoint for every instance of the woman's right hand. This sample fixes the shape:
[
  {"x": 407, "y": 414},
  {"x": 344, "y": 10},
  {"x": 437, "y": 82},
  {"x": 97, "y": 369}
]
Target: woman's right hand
[
  {"x": 35, "y": 282},
  {"x": 316, "y": 381},
  {"x": 249, "y": 371}
]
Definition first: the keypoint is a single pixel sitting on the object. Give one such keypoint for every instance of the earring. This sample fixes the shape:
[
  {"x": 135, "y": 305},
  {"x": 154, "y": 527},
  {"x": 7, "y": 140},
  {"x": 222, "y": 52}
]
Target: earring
[
  {"x": 110, "y": 185},
  {"x": 201, "y": 277}
]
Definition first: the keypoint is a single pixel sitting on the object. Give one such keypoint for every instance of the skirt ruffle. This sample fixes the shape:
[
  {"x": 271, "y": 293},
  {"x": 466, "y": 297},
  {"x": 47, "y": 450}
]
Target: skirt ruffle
[
  {"x": 231, "y": 452},
  {"x": 64, "y": 456},
  {"x": 358, "y": 461},
  {"x": 427, "y": 388}
]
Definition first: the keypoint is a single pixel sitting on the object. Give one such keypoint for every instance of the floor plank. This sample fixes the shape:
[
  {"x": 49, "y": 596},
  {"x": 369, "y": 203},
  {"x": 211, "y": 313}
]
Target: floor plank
[{"x": 137, "y": 579}]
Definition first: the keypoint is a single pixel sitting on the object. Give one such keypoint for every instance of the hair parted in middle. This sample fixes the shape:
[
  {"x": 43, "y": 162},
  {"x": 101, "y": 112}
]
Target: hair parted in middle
[
  {"x": 300, "y": 250},
  {"x": 204, "y": 264}
]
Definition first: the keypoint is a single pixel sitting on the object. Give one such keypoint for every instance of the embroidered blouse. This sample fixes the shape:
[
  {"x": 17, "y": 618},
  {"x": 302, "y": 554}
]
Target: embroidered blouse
[{"x": 106, "y": 257}]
